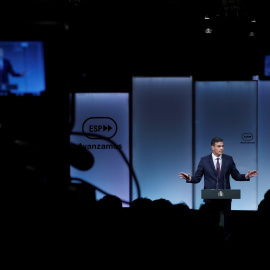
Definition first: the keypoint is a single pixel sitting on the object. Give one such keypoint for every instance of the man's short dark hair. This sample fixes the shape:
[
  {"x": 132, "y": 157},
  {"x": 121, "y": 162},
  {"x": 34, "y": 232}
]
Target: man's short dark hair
[{"x": 216, "y": 139}]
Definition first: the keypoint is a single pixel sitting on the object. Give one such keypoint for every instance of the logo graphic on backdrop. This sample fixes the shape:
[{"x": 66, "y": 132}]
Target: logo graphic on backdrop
[
  {"x": 247, "y": 138},
  {"x": 103, "y": 126}
]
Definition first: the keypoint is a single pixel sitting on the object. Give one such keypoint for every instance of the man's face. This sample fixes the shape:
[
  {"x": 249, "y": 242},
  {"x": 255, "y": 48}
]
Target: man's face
[{"x": 218, "y": 149}]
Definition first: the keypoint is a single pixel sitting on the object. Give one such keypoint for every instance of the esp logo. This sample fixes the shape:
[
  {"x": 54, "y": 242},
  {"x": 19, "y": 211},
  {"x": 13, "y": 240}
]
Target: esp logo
[
  {"x": 247, "y": 136},
  {"x": 103, "y": 126}
]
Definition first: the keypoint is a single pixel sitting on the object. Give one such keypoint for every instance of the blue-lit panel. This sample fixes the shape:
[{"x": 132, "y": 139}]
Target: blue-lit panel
[
  {"x": 228, "y": 109},
  {"x": 263, "y": 137},
  {"x": 106, "y": 115},
  {"x": 162, "y": 136}
]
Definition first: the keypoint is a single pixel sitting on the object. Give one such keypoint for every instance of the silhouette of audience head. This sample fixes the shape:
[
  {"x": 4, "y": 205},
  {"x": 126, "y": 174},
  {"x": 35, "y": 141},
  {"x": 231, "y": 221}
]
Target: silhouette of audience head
[
  {"x": 141, "y": 203},
  {"x": 267, "y": 195},
  {"x": 181, "y": 206},
  {"x": 264, "y": 203},
  {"x": 264, "y": 207},
  {"x": 161, "y": 204},
  {"x": 109, "y": 201}
]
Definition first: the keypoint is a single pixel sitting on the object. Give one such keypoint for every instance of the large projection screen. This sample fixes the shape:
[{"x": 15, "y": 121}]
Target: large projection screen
[
  {"x": 162, "y": 136},
  {"x": 228, "y": 109}
]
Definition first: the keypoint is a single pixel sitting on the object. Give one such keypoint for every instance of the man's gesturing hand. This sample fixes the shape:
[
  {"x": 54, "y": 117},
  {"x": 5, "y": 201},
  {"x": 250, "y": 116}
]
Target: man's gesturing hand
[
  {"x": 251, "y": 174},
  {"x": 185, "y": 176}
]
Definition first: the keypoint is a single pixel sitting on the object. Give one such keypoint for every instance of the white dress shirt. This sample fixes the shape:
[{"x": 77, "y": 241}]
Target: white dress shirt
[{"x": 215, "y": 161}]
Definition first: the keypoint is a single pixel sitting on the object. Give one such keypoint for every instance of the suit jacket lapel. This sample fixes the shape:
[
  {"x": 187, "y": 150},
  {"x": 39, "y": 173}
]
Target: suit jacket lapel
[
  {"x": 223, "y": 166},
  {"x": 212, "y": 164}
]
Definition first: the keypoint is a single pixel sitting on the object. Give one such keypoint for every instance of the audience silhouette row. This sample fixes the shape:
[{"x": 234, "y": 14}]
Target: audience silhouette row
[{"x": 164, "y": 227}]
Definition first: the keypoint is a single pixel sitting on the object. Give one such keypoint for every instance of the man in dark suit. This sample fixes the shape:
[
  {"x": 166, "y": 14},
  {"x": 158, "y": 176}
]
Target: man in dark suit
[{"x": 217, "y": 169}]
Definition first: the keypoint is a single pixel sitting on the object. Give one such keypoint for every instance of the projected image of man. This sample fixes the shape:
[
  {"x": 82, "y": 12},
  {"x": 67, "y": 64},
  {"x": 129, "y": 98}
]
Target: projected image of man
[{"x": 6, "y": 69}]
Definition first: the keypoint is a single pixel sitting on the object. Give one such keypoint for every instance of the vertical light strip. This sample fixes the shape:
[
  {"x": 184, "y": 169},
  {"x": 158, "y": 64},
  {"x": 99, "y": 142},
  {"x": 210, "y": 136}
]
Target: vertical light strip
[
  {"x": 162, "y": 136},
  {"x": 263, "y": 137}
]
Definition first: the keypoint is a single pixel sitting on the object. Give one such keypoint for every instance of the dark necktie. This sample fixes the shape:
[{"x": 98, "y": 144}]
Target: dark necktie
[{"x": 218, "y": 167}]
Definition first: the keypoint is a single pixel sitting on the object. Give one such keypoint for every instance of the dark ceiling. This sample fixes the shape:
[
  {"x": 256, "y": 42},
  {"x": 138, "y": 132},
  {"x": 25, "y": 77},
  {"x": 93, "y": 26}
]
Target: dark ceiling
[{"x": 140, "y": 38}]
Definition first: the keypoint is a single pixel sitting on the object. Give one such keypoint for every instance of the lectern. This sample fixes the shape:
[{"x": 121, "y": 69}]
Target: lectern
[{"x": 221, "y": 194}]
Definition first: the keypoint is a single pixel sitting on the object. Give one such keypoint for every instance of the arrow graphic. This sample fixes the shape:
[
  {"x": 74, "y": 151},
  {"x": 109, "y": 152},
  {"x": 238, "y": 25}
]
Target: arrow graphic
[{"x": 107, "y": 128}]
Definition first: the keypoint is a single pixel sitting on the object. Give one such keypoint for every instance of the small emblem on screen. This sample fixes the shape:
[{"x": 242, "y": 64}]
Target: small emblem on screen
[
  {"x": 103, "y": 126},
  {"x": 247, "y": 136}
]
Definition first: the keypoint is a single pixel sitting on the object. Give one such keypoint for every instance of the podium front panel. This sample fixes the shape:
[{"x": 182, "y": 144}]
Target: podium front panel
[{"x": 221, "y": 194}]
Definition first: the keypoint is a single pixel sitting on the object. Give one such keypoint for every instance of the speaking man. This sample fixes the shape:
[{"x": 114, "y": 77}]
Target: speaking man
[{"x": 217, "y": 169}]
